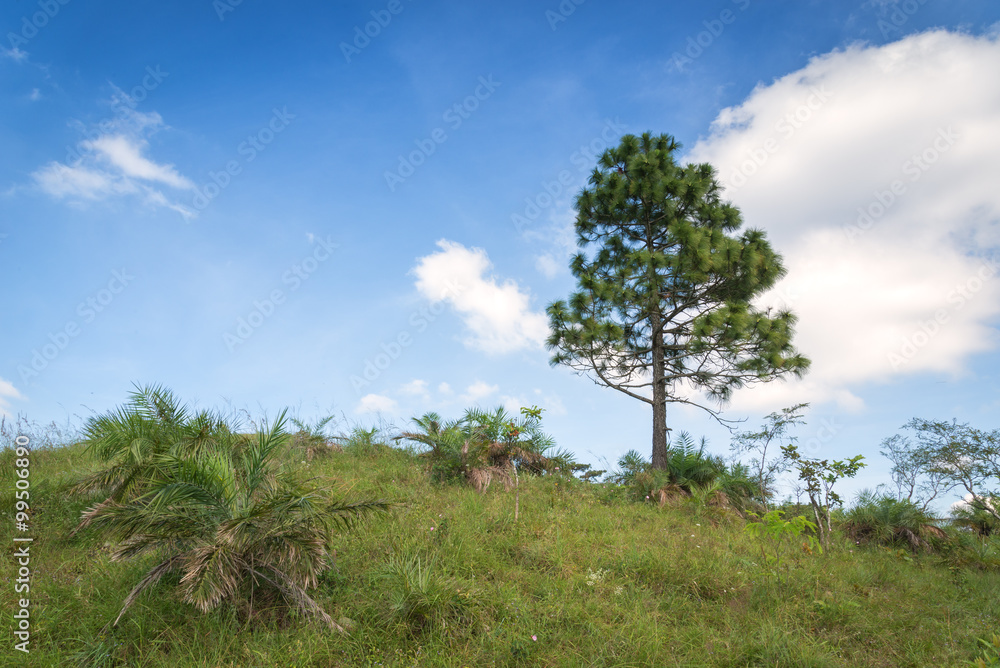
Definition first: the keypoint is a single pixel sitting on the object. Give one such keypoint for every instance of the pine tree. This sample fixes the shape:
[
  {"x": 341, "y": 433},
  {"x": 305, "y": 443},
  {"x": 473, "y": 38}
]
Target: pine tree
[{"x": 664, "y": 292}]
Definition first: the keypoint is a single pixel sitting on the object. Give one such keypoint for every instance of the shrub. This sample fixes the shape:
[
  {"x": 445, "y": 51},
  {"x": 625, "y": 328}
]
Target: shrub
[
  {"x": 366, "y": 442},
  {"x": 885, "y": 520},
  {"x": 975, "y": 516},
  {"x": 418, "y": 596},
  {"x": 969, "y": 550},
  {"x": 214, "y": 507},
  {"x": 132, "y": 439},
  {"x": 487, "y": 446},
  {"x": 781, "y": 532},
  {"x": 690, "y": 470},
  {"x": 311, "y": 440}
]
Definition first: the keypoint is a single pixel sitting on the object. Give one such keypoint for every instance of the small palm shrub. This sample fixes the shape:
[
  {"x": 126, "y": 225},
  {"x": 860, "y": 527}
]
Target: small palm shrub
[
  {"x": 487, "y": 446},
  {"x": 419, "y": 597},
  {"x": 885, "y": 520},
  {"x": 741, "y": 486},
  {"x": 132, "y": 439},
  {"x": 689, "y": 472},
  {"x": 975, "y": 517},
  {"x": 364, "y": 442},
  {"x": 966, "y": 549},
  {"x": 689, "y": 466},
  {"x": 221, "y": 513},
  {"x": 311, "y": 440}
]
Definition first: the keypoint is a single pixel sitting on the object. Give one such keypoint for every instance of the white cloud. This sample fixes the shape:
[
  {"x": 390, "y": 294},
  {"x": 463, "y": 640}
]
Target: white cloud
[
  {"x": 813, "y": 158},
  {"x": 497, "y": 314},
  {"x": 125, "y": 153},
  {"x": 965, "y": 503},
  {"x": 512, "y": 404},
  {"x": 415, "y": 387},
  {"x": 61, "y": 181},
  {"x": 112, "y": 164},
  {"x": 15, "y": 54},
  {"x": 444, "y": 388},
  {"x": 376, "y": 403},
  {"x": 7, "y": 393},
  {"x": 478, "y": 390},
  {"x": 35, "y": 95},
  {"x": 547, "y": 265}
]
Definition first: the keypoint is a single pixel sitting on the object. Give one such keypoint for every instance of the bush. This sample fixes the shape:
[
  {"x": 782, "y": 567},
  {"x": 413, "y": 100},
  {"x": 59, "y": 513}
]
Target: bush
[
  {"x": 311, "y": 440},
  {"x": 976, "y": 517},
  {"x": 213, "y": 506},
  {"x": 364, "y": 442},
  {"x": 969, "y": 550},
  {"x": 419, "y": 597},
  {"x": 487, "y": 446},
  {"x": 884, "y": 520},
  {"x": 690, "y": 470}
]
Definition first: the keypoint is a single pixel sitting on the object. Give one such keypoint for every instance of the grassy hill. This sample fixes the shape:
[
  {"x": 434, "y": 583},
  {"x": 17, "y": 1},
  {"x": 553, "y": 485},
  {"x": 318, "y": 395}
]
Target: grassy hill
[{"x": 448, "y": 578}]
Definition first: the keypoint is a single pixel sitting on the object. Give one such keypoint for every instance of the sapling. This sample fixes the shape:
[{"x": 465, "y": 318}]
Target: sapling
[
  {"x": 780, "y": 531},
  {"x": 819, "y": 476}
]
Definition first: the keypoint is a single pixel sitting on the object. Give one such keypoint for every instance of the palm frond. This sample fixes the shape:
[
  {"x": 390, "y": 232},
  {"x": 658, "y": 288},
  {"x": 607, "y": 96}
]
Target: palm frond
[{"x": 152, "y": 577}]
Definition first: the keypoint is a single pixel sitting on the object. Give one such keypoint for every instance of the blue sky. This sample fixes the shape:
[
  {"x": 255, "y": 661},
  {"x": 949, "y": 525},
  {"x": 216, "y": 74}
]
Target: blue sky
[{"x": 364, "y": 208}]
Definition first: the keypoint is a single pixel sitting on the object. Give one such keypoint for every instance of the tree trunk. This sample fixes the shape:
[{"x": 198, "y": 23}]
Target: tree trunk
[{"x": 659, "y": 400}]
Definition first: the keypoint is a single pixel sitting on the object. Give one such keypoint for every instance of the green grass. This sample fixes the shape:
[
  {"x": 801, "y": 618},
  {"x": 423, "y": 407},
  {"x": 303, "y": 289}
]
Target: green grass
[{"x": 585, "y": 578}]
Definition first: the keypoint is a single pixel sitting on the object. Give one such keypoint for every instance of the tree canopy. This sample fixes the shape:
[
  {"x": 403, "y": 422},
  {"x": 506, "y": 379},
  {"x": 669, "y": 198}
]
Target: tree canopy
[{"x": 663, "y": 308}]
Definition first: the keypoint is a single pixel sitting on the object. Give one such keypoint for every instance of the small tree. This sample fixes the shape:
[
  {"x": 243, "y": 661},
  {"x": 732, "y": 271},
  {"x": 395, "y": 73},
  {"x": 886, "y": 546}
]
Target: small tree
[
  {"x": 775, "y": 430},
  {"x": 665, "y": 293},
  {"x": 961, "y": 456},
  {"x": 819, "y": 477},
  {"x": 914, "y": 474}
]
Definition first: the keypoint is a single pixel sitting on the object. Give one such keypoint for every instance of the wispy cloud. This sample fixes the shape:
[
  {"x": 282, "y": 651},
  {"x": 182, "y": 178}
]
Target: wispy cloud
[
  {"x": 415, "y": 387},
  {"x": 15, "y": 54},
  {"x": 478, "y": 390},
  {"x": 125, "y": 153},
  {"x": 7, "y": 393},
  {"x": 113, "y": 163}
]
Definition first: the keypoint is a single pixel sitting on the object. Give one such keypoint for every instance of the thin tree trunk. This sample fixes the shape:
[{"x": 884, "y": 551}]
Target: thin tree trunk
[
  {"x": 819, "y": 523},
  {"x": 659, "y": 457},
  {"x": 517, "y": 495}
]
